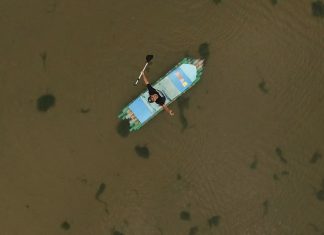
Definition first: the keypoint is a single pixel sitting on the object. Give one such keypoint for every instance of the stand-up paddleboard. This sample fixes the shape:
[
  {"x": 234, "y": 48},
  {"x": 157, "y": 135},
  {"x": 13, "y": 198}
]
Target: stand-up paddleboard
[{"x": 176, "y": 82}]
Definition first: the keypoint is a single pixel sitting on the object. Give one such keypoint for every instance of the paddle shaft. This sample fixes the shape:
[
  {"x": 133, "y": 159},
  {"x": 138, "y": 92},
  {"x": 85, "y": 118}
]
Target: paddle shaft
[{"x": 139, "y": 77}]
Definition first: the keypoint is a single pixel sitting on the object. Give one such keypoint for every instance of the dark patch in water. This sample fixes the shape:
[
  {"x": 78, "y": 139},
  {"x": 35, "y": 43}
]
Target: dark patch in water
[
  {"x": 274, "y": 2},
  {"x": 142, "y": 151},
  {"x": 123, "y": 128},
  {"x": 84, "y": 181},
  {"x": 193, "y": 230},
  {"x": 185, "y": 215},
  {"x": 43, "y": 56},
  {"x": 83, "y": 110},
  {"x": 100, "y": 191},
  {"x": 280, "y": 155},
  {"x": 183, "y": 103},
  {"x": 263, "y": 87},
  {"x": 276, "y": 177},
  {"x": 316, "y": 156},
  {"x": 217, "y": 1},
  {"x": 254, "y": 164},
  {"x": 204, "y": 51},
  {"x": 52, "y": 7},
  {"x": 320, "y": 195},
  {"x": 316, "y": 229},
  {"x": 179, "y": 177},
  {"x": 318, "y": 8},
  {"x": 115, "y": 232},
  {"x": 27, "y": 206},
  {"x": 265, "y": 205},
  {"x": 65, "y": 225},
  {"x": 45, "y": 102},
  {"x": 284, "y": 173},
  {"x": 214, "y": 221}
]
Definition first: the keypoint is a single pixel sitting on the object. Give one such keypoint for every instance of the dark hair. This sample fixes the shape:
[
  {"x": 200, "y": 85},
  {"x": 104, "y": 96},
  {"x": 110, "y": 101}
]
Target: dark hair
[{"x": 150, "y": 100}]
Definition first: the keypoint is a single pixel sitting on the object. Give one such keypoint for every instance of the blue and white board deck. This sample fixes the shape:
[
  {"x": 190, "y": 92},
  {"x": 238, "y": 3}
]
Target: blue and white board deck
[{"x": 176, "y": 82}]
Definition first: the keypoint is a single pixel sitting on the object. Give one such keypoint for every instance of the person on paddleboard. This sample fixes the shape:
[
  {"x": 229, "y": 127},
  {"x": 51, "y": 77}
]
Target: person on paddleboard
[{"x": 156, "y": 96}]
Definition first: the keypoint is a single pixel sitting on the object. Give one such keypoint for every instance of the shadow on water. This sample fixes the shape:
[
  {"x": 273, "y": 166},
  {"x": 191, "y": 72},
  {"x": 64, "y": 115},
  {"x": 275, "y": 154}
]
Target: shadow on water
[
  {"x": 123, "y": 128},
  {"x": 316, "y": 156},
  {"x": 318, "y": 8},
  {"x": 183, "y": 103},
  {"x": 193, "y": 230},
  {"x": 204, "y": 51},
  {"x": 142, "y": 151},
  {"x": 65, "y": 225},
  {"x": 45, "y": 102}
]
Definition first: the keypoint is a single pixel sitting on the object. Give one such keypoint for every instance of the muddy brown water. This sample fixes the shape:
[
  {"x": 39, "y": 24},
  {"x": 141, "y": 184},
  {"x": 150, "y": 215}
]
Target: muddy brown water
[{"x": 242, "y": 155}]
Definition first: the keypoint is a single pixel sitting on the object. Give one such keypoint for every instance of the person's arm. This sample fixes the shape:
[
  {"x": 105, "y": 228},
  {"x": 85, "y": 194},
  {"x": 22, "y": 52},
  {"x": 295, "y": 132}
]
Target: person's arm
[
  {"x": 145, "y": 79},
  {"x": 169, "y": 111}
]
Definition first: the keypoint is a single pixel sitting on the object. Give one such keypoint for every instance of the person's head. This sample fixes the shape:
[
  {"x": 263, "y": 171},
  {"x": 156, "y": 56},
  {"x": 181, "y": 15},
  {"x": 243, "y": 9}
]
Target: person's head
[{"x": 152, "y": 98}]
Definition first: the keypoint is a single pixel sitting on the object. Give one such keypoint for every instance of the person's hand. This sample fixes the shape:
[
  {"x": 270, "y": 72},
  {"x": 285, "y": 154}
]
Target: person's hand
[{"x": 171, "y": 112}]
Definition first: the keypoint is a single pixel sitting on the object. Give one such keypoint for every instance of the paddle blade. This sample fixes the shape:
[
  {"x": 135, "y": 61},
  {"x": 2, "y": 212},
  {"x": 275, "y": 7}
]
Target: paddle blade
[{"x": 149, "y": 58}]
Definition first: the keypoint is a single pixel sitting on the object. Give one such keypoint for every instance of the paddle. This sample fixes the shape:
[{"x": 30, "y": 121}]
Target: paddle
[{"x": 148, "y": 59}]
